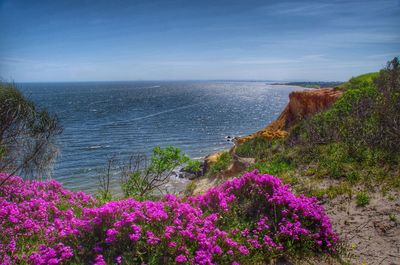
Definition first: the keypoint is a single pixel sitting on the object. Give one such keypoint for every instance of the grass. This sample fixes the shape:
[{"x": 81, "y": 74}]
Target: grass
[
  {"x": 331, "y": 192},
  {"x": 362, "y": 199},
  {"x": 392, "y": 217},
  {"x": 359, "y": 81},
  {"x": 275, "y": 167},
  {"x": 258, "y": 147},
  {"x": 342, "y": 168}
]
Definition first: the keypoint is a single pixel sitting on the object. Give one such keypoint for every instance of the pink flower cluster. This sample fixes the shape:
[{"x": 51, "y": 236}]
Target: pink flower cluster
[
  {"x": 248, "y": 217},
  {"x": 33, "y": 216}
]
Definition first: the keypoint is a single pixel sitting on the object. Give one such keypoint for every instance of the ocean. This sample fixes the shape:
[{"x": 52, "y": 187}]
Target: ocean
[{"x": 105, "y": 119}]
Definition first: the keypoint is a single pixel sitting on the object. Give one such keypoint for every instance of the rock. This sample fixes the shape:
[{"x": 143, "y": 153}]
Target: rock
[
  {"x": 191, "y": 176},
  {"x": 187, "y": 175},
  {"x": 302, "y": 104},
  {"x": 238, "y": 165},
  {"x": 183, "y": 173}
]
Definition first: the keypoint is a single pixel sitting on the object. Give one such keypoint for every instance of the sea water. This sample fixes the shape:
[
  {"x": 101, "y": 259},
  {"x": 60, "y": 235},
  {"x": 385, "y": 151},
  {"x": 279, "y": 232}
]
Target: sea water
[{"x": 105, "y": 119}]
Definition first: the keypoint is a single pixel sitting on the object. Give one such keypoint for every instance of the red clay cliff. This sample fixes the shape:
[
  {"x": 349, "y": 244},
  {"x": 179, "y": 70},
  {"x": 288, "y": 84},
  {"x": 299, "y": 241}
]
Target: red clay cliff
[{"x": 301, "y": 105}]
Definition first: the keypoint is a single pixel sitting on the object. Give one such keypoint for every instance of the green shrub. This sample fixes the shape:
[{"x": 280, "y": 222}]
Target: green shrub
[
  {"x": 142, "y": 177},
  {"x": 222, "y": 163},
  {"x": 362, "y": 199},
  {"x": 359, "y": 81},
  {"x": 28, "y": 135},
  {"x": 388, "y": 106},
  {"x": 365, "y": 117},
  {"x": 193, "y": 166},
  {"x": 136, "y": 186},
  {"x": 333, "y": 159},
  {"x": 166, "y": 159}
]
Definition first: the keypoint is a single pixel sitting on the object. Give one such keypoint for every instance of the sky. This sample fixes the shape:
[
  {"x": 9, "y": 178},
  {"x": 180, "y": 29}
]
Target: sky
[{"x": 98, "y": 40}]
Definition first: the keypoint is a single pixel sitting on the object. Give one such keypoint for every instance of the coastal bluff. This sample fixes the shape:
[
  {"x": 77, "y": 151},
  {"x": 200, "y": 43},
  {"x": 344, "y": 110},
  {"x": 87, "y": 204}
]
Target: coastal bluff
[{"x": 302, "y": 104}]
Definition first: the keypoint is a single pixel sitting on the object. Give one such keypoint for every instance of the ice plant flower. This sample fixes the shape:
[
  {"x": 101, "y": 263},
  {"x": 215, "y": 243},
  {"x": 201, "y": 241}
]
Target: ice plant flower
[{"x": 42, "y": 223}]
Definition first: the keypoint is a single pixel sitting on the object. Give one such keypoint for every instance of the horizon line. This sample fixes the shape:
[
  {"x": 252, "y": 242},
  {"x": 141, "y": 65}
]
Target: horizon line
[{"x": 174, "y": 80}]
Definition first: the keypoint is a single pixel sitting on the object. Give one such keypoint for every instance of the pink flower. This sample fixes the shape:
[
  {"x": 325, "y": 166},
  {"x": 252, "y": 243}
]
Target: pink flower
[
  {"x": 180, "y": 259},
  {"x": 31, "y": 210},
  {"x": 243, "y": 250},
  {"x": 99, "y": 260},
  {"x": 111, "y": 235}
]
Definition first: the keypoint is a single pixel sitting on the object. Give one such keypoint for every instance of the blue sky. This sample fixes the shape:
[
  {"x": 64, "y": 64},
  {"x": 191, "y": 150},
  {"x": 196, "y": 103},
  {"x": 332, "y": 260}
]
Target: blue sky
[{"x": 195, "y": 40}]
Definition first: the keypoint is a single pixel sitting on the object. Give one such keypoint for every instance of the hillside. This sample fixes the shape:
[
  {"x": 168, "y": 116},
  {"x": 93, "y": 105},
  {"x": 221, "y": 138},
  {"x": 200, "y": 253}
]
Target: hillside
[{"x": 345, "y": 152}]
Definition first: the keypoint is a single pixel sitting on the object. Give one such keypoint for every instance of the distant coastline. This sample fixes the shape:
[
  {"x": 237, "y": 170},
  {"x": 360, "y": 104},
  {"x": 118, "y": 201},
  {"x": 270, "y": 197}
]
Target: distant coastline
[{"x": 316, "y": 84}]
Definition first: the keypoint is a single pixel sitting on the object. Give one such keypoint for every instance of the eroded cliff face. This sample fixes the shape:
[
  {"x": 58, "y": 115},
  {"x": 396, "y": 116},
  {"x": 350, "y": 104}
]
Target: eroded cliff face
[{"x": 302, "y": 104}]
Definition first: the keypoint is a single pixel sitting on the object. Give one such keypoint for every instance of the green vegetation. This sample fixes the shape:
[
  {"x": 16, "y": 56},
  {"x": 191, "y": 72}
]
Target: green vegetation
[
  {"x": 27, "y": 135},
  {"x": 220, "y": 165},
  {"x": 359, "y": 81},
  {"x": 193, "y": 166},
  {"x": 275, "y": 167},
  {"x": 143, "y": 179},
  {"x": 392, "y": 217},
  {"x": 253, "y": 219},
  {"x": 356, "y": 142},
  {"x": 258, "y": 147},
  {"x": 362, "y": 199}
]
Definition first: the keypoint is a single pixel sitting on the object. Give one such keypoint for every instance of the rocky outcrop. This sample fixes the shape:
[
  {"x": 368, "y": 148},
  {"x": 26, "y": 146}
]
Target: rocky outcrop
[
  {"x": 302, "y": 104},
  {"x": 238, "y": 165}
]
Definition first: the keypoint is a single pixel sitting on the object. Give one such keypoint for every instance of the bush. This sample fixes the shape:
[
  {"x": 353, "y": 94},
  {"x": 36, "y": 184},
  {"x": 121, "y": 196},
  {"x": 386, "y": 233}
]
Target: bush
[
  {"x": 222, "y": 163},
  {"x": 34, "y": 217},
  {"x": 366, "y": 116},
  {"x": 27, "y": 135},
  {"x": 388, "y": 107},
  {"x": 193, "y": 166},
  {"x": 142, "y": 177},
  {"x": 249, "y": 220}
]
